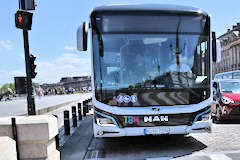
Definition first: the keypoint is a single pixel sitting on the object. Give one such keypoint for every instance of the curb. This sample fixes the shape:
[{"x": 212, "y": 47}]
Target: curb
[{"x": 51, "y": 108}]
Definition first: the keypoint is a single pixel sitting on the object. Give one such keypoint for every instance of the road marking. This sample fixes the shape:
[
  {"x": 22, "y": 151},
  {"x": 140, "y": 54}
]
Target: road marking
[
  {"x": 219, "y": 157},
  {"x": 160, "y": 158}
]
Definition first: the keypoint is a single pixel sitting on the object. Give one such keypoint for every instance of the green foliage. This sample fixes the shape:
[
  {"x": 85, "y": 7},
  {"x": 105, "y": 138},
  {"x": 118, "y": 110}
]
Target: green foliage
[
  {"x": 6, "y": 86},
  {"x": 11, "y": 85},
  {"x": 35, "y": 85}
]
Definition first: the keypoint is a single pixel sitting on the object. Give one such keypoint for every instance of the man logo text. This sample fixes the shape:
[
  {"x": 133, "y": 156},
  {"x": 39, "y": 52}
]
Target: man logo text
[{"x": 155, "y": 119}]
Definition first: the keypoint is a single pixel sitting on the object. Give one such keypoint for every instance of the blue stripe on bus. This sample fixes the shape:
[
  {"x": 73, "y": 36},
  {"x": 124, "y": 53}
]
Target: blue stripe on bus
[
  {"x": 196, "y": 118},
  {"x": 106, "y": 116}
]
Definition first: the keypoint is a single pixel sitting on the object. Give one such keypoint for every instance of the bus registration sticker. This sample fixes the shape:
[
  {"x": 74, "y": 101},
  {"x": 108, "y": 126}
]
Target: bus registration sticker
[
  {"x": 133, "y": 98},
  {"x": 126, "y": 98},
  {"x": 119, "y": 99},
  {"x": 156, "y": 131}
]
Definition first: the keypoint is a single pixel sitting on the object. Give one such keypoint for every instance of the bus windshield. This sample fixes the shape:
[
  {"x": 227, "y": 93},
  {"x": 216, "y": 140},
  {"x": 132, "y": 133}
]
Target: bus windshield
[{"x": 164, "y": 62}]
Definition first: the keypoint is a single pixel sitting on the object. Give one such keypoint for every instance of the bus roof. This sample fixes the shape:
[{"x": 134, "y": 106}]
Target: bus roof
[
  {"x": 149, "y": 7},
  {"x": 226, "y": 80},
  {"x": 229, "y": 72}
]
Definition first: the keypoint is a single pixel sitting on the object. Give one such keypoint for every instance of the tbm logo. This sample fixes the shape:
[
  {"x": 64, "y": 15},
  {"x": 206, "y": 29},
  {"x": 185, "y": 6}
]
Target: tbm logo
[
  {"x": 131, "y": 120},
  {"x": 155, "y": 119},
  {"x": 136, "y": 120}
]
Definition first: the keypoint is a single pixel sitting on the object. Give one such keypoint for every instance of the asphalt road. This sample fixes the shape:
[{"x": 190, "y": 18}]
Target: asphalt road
[
  {"x": 222, "y": 144},
  {"x": 19, "y": 106}
]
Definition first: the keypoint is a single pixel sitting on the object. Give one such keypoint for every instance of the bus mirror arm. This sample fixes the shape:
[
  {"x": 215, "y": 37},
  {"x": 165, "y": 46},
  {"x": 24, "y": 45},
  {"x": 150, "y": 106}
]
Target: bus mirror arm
[
  {"x": 216, "y": 48},
  {"x": 82, "y": 36}
]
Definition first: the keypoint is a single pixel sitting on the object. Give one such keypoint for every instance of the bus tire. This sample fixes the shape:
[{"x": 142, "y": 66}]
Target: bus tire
[{"x": 218, "y": 115}]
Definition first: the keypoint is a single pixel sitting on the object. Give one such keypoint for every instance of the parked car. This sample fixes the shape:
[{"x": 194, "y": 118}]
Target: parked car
[{"x": 226, "y": 99}]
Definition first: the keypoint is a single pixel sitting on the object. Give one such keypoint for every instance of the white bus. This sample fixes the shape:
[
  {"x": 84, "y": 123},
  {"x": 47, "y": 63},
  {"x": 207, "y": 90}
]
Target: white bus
[{"x": 151, "y": 69}]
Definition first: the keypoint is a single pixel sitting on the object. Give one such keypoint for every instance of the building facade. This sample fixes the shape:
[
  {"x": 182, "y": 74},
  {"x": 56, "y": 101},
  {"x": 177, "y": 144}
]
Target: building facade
[
  {"x": 76, "y": 83},
  {"x": 230, "y": 51}
]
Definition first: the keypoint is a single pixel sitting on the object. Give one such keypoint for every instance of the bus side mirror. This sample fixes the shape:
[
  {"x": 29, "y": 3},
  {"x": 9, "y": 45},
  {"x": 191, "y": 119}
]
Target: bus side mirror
[
  {"x": 82, "y": 35},
  {"x": 216, "y": 48}
]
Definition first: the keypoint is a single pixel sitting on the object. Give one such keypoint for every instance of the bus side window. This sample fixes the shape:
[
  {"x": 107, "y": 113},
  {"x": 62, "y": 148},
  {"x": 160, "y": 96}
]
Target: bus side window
[{"x": 236, "y": 75}]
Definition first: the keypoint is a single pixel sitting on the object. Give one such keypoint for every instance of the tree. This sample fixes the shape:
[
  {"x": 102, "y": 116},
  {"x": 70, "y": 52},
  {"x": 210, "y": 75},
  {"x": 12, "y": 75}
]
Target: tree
[
  {"x": 6, "y": 86},
  {"x": 35, "y": 85}
]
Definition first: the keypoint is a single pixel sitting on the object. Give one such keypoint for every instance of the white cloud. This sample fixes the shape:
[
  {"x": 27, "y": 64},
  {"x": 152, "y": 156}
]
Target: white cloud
[
  {"x": 68, "y": 64},
  {"x": 6, "y": 44},
  {"x": 22, "y": 55},
  {"x": 7, "y": 76},
  {"x": 70, "y": 48}
]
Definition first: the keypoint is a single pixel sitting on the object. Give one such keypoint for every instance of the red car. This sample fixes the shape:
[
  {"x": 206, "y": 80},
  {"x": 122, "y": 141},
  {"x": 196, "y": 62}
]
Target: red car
[{"x": 226, "y": 99}]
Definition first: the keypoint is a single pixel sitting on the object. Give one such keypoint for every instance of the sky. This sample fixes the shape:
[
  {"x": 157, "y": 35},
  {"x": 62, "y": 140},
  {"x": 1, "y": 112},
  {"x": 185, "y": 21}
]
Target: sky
[{"x": 53, "y": 36}]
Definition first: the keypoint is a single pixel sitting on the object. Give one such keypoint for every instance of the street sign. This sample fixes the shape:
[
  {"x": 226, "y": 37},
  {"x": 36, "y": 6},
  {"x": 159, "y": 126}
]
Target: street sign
[
  {"x": 23, "y": 20},
  {"x": 20, "y": 85}
]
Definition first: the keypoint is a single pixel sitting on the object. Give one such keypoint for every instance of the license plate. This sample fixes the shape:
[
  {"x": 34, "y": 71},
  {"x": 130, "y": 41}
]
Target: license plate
[{"x": 156, "y": 131}]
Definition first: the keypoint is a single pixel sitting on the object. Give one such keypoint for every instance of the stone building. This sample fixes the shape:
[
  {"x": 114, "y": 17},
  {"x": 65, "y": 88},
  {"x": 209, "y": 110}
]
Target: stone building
[
  {"x": 230, "y": 51},
  {"x": 76, "y": 83}
]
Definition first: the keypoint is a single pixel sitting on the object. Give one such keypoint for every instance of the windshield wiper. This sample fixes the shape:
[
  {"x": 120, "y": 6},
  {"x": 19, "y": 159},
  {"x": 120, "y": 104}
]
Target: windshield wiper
[
  {"x": 181, "y": 84},
  {"x": 190, "y": 90}
]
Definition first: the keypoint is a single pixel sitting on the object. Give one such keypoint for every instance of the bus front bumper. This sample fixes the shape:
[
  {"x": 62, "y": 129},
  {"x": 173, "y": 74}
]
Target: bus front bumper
[{"x": 197, "y": 127}]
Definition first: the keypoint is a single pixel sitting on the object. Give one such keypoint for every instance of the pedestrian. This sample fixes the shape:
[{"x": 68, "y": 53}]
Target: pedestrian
[
  {"x": 40, "y": 92},
  {"x": 1, "y": 96}
]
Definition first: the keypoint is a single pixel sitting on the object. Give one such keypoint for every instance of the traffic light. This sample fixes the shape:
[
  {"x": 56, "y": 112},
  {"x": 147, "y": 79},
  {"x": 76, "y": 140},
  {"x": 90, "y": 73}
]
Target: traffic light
[
  {"x": 33, "y": 66},
  {"x": 23, "y": 20},
  {"x": 26, "y": 4}
]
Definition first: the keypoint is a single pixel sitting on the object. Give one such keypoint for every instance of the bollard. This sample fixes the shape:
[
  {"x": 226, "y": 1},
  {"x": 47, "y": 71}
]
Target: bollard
[
  {"x": 57, "y": 136},
  {"x": 74, "y": 116},
  {"x": 84, "y": 108},
  {"x": 90, "y": 105},
  {"x": 79, "y": 111},
  {"x": 87, "y": 106},
  {"x": 66, "y": 123},
  {"x": 15, "y": 136}
]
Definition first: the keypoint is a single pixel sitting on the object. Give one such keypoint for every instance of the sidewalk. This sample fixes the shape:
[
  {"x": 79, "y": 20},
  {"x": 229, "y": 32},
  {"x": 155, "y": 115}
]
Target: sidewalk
[
  {"x": 227, "y": 155},
  {"x": 76, "y": 146}
]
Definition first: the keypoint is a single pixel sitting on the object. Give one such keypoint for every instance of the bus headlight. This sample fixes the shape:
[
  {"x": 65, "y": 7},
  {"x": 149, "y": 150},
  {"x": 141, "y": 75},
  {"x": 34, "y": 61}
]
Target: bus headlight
[
  {"x": 205, "y": 117},
  {"x": 105, "y": 122},
  {"x": 226, "y": 100}
]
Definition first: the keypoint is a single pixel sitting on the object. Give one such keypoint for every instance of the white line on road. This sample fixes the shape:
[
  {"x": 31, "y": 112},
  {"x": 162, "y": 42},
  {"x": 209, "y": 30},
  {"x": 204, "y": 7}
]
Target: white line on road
[
  {"x": 219, "y": 157},
  {"x": 160, "y": 158}
]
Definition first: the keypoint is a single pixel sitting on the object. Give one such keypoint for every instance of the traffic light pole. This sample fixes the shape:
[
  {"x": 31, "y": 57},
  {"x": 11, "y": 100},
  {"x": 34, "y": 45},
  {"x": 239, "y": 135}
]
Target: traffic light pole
[{"x": 30, "y": 96}]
